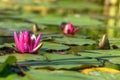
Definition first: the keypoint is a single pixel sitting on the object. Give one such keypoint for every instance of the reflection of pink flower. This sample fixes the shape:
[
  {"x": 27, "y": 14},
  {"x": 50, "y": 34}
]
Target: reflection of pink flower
[
  {"x": 25, "y": 43},
  {"x": 69, "y": 28}
]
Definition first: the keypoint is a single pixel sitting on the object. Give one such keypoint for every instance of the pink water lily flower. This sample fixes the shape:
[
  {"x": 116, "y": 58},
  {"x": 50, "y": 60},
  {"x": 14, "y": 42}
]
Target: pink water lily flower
[
  {"x": 26, "y": 43},
  {"x": 69, "y": 29}
]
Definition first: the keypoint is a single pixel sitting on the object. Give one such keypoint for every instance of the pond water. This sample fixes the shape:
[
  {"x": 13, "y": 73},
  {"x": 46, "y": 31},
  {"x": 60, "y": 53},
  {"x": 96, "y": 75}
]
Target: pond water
[
  {"x": 60, "y": 51},
  {"x": 92, "y": 25}
]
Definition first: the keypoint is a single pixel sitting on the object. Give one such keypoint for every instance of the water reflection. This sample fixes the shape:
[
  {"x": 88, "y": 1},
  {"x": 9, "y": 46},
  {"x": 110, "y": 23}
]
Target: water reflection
[{"x": 112, "y": 12}]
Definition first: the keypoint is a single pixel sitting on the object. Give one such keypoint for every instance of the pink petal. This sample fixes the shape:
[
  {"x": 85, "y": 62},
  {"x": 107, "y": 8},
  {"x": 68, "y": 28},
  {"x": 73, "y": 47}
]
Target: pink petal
[
  {"x": 26, "y": 37},
  {"x": 16, "y": 39},
  {"x": 26, "y": 47},
  {"x": 75, "y": 30},
  {"x": 27, "y": 41},
  {"x": 68, "y": 29},
  {"x": 21, "y": 42}
]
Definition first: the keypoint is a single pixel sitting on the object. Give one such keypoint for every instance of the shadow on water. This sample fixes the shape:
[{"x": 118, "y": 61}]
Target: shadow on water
[
  {"x": 6, "y": 36},
  {"x": 6, "y": 39}
]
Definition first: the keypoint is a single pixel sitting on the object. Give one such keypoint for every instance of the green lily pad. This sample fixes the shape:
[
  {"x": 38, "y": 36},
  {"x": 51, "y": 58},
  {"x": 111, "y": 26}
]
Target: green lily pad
[
  {"x": 61, "y": 75},
  {"x": 11, "y": 77},
  {"x": 21, "y": 57},
  {"x": 9, "y": 61},
  {"x": 49, "y": 36},
  {"x": 74, "y": 41},
  {"x": 54, "y": 46},
  {"x": 68, "y": 61},
  {"x": 82, "y": 20},
  {"x": 78, "y": 5},
  {"x": 110, "y": 55},
  {"x": 77, "y": 21},
  {"x": 5, "y": 68},
  {"x": 48, "y": 21},
  {"x": 56, "y": 61},
  {"x": 7, "y": 45},
  {"x": 16, "y": 26}
]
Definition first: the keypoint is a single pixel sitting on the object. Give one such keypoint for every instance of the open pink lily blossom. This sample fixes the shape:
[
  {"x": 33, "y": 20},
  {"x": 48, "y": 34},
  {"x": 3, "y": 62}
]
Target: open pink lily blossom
[
  {"x": 69, "y": 29},
  {"x": 26, "y": 43}
]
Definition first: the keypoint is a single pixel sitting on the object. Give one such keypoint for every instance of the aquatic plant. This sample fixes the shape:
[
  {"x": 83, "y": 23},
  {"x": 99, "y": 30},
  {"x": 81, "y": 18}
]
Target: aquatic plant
[
  {"x": 69, "y": 29},
  {"x": 26, "y": 43}
]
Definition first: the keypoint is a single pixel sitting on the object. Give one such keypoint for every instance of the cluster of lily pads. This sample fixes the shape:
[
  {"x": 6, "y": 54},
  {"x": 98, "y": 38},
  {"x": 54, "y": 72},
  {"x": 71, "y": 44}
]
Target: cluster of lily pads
[
  {"x": 27, "y": 43},
  {"x": 30, "y": 44}
]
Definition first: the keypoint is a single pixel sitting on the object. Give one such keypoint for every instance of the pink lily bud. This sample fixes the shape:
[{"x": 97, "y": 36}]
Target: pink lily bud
[
  {"x": 69, "y": 29},
  {"x": 62, "y": 26},
  {"x": 25, "y": 43}
]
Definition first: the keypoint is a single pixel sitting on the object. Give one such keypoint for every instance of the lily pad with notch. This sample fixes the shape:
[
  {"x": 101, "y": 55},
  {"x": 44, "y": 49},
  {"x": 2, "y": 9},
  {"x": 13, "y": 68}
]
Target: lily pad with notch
[
  {"x": 111, "y": 55},
  {"x": 66, "y": 61}
]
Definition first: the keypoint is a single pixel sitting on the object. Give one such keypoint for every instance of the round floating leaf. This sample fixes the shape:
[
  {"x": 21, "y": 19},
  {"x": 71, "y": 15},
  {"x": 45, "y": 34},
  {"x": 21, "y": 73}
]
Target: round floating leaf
[
  {"x": 10, "y": 27},
  {"x": 49, "y": 36},
  {"x": 66, "y": 61},
  {"x": 77, "y": 5},
  {"x": 82, "y": 21},
  {"x": 48, "y": 20},
  {"x": 61, "y": 75},
  {"x": 74, "y": 41},
  {"x": 110, "y": 55},
  {"x": 54, "y": 46},
  {"x": 11, "y": 77},
  {"x": 8, "y": 62},
  {"x": 56, "y": 61},
  {"x": 110, "y": 58},
  {"x": 21, "y": 57},
  {"x": 9, "y": 45},
  {"x": 58, "y": 74}
]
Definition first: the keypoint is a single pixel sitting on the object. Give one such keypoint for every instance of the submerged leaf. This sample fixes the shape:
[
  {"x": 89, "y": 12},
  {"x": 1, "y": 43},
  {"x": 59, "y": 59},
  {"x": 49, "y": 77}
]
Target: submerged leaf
[{"x": 5, "y": 68}]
